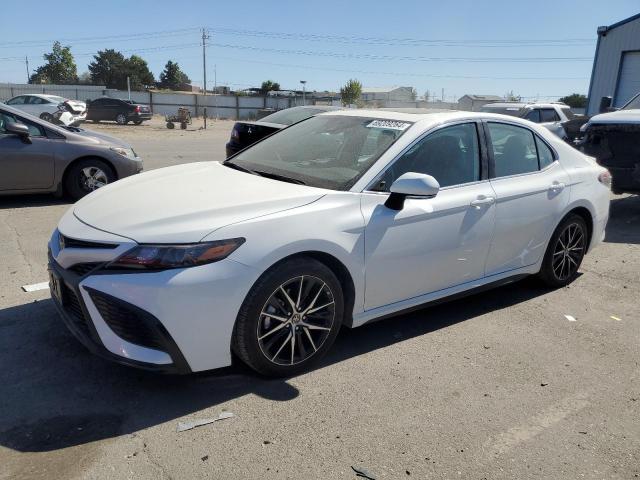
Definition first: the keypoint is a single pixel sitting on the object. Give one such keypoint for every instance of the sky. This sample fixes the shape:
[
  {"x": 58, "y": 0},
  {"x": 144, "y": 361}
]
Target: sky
[{"x": 537, "y": 49}]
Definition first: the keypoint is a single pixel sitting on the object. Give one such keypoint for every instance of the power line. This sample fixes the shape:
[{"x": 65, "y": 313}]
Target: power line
[{"x": 408, "y": 58}]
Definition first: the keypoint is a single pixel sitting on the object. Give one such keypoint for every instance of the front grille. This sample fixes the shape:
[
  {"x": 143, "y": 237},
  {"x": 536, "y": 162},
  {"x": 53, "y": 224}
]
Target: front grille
[
  {"x": 68, "y": 242},
  {"x": 127, "y": 321},
  {"x": 83, "y": 268},
  {"x": 71, "y": 303}
]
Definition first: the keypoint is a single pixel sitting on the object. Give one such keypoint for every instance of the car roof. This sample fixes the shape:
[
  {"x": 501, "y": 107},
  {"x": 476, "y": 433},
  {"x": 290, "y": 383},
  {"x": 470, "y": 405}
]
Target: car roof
[{"x": 525, "y": 105}]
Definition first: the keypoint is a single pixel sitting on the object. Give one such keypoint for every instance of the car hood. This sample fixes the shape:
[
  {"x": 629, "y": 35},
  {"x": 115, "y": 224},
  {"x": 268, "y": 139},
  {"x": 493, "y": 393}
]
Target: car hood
[
  {"x": 98, "y": 138},
  {"x": 621, "y": 116},
  {"x": 185, "y": 203}
]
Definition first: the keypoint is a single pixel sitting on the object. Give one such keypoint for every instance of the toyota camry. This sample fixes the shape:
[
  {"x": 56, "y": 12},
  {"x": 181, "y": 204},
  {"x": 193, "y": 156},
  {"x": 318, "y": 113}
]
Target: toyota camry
[{"x": 335, "y": 221}]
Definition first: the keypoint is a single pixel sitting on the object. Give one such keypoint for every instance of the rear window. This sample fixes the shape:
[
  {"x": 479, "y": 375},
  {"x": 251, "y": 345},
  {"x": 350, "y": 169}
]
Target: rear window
[
  {"x": 568, "y": 113},
  {"x": 512, "y": 111},
  {"x": 290, "y": 116}
]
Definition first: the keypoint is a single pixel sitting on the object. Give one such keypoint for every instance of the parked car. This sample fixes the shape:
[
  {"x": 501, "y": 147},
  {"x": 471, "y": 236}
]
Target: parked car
[
  {"x": 555, "y": 116},
  {"x": 338, "y": 220},
  {"x": 39, "y": 157},
  {"x": 614, "y": 140},
  {"x": 119, "y": 111},
  {"x": 51, "y": 108},
  {"x": 247, "y": 133}
]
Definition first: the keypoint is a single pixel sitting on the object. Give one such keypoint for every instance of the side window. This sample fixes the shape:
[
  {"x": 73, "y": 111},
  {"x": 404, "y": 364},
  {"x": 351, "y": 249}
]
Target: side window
[
  {"x": 549, "y": 115},
  {"x": 451, "y": 155},
  {"x": 514, "y": 149},
  {"x": 534, "y": 116},
  {"x": 34, "y": 129},
  {"x": 545, "y": 155},
  {"x": 17, "y": 100}
]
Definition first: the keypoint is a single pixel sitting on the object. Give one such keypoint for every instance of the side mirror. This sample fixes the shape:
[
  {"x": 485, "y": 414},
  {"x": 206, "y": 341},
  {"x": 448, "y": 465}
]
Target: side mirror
[
  {"x": 19, "y": 129},
  {"x": 411, "y": 184},
  {"x": 605, "y": 104}
]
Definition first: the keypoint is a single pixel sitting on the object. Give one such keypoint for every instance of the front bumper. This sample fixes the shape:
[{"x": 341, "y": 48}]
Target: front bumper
[{"x": 174, "y": 321}]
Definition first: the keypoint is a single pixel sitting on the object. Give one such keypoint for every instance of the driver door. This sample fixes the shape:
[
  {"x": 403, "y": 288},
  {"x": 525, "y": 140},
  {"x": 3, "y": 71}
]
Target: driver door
[
  {"x": 24, "y": 165},
  {"x": 435, "y": 243}
]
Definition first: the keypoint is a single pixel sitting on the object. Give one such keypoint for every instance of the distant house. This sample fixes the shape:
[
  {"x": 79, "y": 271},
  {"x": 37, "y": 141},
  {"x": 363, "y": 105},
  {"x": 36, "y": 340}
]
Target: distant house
[
  {"x": 472, "y": 103},
  {"x": 386, "y": 94}
]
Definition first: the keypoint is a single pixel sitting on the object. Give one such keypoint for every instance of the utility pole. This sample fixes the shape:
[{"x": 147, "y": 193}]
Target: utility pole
[
  {"x": 215, "y": 91},
  {"x": 304, "y": 96},
  {"x": 205, "y": 37},
  {"x": 26, "y": 60}
]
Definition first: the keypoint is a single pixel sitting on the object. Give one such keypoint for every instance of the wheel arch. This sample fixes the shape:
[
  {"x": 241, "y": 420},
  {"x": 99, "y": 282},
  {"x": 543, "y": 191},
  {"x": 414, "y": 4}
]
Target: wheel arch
[{"x": 584, "y": 209}]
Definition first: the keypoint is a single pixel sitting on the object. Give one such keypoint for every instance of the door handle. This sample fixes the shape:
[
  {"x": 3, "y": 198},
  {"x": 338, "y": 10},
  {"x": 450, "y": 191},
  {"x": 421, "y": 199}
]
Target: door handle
[
  {"x": 557, "y": 186},
  {"x": 482, "y": 201}
]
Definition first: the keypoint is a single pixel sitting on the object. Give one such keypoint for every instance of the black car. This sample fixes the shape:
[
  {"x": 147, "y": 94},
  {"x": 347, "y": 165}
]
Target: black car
[
  {"x": 244, "y": 134},
  {"x": 120, "y": 111}
]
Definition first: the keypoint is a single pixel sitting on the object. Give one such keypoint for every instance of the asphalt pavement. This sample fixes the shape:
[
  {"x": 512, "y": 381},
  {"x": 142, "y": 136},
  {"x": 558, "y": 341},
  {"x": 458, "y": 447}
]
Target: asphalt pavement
[{"x": 500, "y": 385}]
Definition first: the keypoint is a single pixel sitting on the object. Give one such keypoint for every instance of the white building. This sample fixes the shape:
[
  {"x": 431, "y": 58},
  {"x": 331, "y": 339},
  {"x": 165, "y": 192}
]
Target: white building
[{"x": 616, "y": 65}]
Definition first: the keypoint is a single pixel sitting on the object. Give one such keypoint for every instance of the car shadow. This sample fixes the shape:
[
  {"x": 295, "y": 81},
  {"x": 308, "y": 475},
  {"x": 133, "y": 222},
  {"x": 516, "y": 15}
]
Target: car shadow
[
  {"x": 624, "y": 220},
  {"x": 35, "y": 200},
  {"x": 55, "y": 394}
]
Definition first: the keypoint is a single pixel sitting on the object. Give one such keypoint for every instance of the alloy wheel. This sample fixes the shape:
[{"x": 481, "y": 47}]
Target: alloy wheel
[
  {"x": 92, "y": 178},
  {"x": 296, "y": 320},
  {"x": 568, "y": 251}
]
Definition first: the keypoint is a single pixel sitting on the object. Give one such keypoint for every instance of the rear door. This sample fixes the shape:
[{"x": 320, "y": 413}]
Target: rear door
[
  {"x": 24, "y": 165},
  {"x": 531, "y": 193}
]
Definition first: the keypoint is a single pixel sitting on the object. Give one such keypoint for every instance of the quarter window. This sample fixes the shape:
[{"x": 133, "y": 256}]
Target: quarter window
[
  {"x": 514, "y": 149},
  {"x": 549, "y": 115},
  {"x": 451, "y": 155},
  {"x": 545, "y": 155}
]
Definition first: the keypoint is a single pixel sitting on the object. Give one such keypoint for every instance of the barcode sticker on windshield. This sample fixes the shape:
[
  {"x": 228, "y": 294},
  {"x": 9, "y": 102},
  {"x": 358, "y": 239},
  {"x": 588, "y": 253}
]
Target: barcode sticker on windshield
[{"x": 389, "y": 124}]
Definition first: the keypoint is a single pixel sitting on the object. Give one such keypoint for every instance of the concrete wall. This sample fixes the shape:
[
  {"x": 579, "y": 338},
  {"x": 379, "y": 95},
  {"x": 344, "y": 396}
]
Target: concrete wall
[
  {"x": 165, "y": 103},
  {"x": 607, "y": 61}
]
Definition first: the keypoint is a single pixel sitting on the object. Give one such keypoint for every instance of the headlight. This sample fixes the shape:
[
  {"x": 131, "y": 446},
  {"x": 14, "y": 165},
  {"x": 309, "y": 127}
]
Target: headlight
[
  {"x": 161, "y": 257},
  {"x": 125, "y": 152}
]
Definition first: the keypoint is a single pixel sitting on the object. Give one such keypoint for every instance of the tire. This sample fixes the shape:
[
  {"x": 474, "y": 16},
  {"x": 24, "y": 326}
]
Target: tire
[
  {"x": 170, "y": 125},
  {"x": 137, "y": 122},
  {"x": 47, "y": 117},
  {"x": 565, "y": 252},
  {"x": 76, "y": 180},
  {"x": 314, "y": 327},
  {"x": 121, "y": 118},
  {"x": 183, "y": 125}
]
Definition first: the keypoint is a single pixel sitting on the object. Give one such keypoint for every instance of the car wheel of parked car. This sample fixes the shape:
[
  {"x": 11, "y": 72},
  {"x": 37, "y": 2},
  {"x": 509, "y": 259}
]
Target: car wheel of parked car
[
  {"x": 565, "y": 252},
  {"x": 121, "y": 119},
  {"x": 290, "y": 318},
  {"x": 47, "y": 117},
  {"x": 86, "y": 176},
  {"x": 138, "y": 122}
]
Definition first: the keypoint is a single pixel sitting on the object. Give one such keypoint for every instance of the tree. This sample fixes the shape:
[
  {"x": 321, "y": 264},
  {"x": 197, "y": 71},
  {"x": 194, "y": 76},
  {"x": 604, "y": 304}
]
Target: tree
[
  {"x": 172, "y": 77},
  {"x": 351, "y": 92},
  {"x": 108, "y": 68},
  {"x": 575, "y": 100},
  {"x": 60, "y": 67},
  {"x": 140, "y": 77},
  {"x": 269, "y": 86}
]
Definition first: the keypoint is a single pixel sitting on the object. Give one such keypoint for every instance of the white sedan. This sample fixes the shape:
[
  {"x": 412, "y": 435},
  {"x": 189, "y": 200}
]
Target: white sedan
[
  {"x": 51, "y": 108},
  {"x": 335, "y": 221}
]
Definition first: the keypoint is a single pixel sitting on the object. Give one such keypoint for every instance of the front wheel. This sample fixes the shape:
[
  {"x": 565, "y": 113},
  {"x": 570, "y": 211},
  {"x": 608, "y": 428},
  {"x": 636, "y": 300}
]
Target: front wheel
[
  {"x": 86, "y": 176},
  {"x": 565, "y": 252},
  {"x": 290, "y": 318}
]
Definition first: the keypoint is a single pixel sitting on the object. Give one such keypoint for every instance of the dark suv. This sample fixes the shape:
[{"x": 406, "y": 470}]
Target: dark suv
[{"x": 120, "y": 111}]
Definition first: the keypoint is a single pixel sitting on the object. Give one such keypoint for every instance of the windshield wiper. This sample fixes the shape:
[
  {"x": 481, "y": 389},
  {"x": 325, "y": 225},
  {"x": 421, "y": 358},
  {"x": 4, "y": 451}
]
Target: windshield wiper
[
  {"x": 235, "y": 166},
  {"x": 282, "y": 178}
]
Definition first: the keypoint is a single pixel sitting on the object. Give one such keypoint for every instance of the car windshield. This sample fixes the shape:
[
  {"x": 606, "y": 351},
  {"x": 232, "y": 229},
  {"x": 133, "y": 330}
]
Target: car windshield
[
  {"x": 327, "y": 151},
  {"x": 290, "y": 116},
  {"x": 633, "y": 104},
  {"x": 513, "y": 111}
]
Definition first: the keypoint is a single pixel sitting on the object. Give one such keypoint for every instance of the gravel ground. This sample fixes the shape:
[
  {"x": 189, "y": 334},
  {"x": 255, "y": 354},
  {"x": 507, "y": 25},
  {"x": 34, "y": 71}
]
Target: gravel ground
[{"x": 496, "y": 386}]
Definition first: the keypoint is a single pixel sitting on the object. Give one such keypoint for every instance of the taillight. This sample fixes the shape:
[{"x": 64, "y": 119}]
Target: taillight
[
  {"x": 605, "y": 179},
  {"x": 235, "y": 135},
  {"x": 137, "y": 110}
]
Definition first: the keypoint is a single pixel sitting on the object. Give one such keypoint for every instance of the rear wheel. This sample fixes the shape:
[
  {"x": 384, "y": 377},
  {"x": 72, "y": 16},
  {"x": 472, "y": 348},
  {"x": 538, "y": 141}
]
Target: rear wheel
[
  {"x": 137, "y": 122},
  {"x": 565, "y": 252},
  {"x": 290, "y": 318},
  {"x": 86, "y": 176},
  {"x": 121, "y": 119}
]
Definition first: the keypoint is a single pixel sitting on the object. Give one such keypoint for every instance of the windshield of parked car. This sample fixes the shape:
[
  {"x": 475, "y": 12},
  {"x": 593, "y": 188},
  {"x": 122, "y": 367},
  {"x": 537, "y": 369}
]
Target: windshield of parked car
[
  {"x": 327, "y": 151},
  {"x": 633, "y": 104},
  {"x": 290, "y": 116}
]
